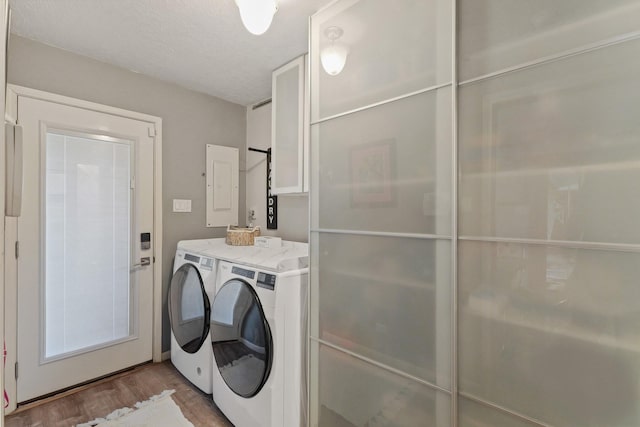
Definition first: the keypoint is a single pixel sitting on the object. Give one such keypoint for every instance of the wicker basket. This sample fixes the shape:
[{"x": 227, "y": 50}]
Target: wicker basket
[{"x": 241, "y": 236}]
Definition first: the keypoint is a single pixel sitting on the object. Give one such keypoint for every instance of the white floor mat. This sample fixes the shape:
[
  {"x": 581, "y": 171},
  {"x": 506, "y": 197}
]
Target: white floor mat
[{"x": 157, "y": 411}]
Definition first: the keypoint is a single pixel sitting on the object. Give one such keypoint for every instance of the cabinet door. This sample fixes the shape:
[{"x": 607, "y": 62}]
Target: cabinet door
[{"x": 287, "y": 131}]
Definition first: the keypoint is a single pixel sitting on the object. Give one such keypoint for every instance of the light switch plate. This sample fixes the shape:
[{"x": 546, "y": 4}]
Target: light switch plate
[{"x": 181, "y": 205}]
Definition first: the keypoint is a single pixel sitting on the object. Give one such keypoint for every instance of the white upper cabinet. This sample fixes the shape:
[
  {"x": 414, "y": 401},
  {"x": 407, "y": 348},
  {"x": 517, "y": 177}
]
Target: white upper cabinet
[{"x": 289, "y": 141}]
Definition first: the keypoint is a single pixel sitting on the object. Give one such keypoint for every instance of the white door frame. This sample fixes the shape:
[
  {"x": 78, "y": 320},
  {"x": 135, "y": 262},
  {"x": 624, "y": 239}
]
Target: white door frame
[
  {"x": 10, "y": 306},
  {"x": 4, "y": 34}
]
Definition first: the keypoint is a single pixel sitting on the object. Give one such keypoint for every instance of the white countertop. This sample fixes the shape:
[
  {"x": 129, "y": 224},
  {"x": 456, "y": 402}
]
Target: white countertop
[{"x": 291, "y": 256}]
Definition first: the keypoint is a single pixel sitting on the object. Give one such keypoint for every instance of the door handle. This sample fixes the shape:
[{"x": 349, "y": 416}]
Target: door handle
[{"x": 144, "y": 261}]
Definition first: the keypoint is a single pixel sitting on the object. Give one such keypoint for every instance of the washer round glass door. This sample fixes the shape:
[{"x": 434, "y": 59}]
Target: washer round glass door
[
  {"x": 189, "y": 309},
  {"x": 241, "y": 338}
]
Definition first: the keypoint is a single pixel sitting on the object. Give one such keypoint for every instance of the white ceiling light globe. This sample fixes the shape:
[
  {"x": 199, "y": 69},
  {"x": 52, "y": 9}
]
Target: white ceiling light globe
[
  {"x": 257, "y": 15},
  {"x": 333, "y": 58}
]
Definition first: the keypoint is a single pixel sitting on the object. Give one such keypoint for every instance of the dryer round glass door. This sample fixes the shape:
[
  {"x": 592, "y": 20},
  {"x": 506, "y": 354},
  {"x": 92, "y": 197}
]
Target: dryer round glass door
[
  {"x": 189, "y": 309},
  {"x": 241, "y": 338}
]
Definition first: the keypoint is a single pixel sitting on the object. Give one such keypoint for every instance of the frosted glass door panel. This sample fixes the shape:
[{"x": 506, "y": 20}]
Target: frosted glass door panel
[
  {"x": 87, "y": 243},
  {"x": 366, "y": 280},
  {"x": 552, "y": 333},
  {"x": 473, "y": 414},
  {"x": 405, "y": 48},
  {"x": 552, "y": 152},
  {"x": 497, "y": 34},
  {"x": 287, "y": 123},
  {"x": 387, "y": 168},
  {"x": 355, "y": 393}
]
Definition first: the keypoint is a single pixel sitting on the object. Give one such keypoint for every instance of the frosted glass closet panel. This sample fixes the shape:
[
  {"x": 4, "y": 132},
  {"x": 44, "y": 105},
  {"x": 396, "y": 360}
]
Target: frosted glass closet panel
[
  {"x": 87, "y": 242},
  {"x": 355, "y": 393},
  {"x": 552, "y": 152},
  {"x": 387, "y": 299},
  {"x": 472, "y": 414},
  {"x": 551, "y": 332},
  {"x": 494, "y": 34},
  {"x": 381, "y": 230},
  {"x": 386, "y": 168},
  {"x": 405, "y": 48}
]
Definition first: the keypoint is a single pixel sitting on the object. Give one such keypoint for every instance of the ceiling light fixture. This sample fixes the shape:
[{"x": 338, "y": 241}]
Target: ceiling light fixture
[
  {"x": 257, "y": 15},
  {"x": 334, "y": 56}
]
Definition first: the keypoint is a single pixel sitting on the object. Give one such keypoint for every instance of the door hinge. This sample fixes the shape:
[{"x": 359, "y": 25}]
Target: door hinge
[
  {"x": 152, "y": 131},
  {"x": 16, "y": 370},
  {"x": 17, "y": 249}
]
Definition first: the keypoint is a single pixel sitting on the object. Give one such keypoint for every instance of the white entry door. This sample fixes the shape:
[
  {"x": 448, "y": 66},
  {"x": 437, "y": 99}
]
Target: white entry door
[{"x": 85, "y": 275}]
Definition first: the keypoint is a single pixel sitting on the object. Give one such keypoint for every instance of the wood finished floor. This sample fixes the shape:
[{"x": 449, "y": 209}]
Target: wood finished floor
[{"x": 98, "y": 400}]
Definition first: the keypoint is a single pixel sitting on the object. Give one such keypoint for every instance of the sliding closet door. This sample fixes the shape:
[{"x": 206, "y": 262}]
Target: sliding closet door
[
  {"x": 525, "y": 219},
  {"x": 549, "y": 208},
  {"x": 381, "y": 227}
]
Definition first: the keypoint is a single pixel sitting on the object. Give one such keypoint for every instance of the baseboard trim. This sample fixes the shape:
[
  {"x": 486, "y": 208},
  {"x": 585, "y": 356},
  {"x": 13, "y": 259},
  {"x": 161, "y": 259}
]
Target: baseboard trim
[{"x": 166, "y": 355}]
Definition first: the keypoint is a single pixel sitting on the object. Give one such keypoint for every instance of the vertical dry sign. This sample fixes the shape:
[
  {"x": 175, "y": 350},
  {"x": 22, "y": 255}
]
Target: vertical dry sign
[{"x": 272, "y": 201}]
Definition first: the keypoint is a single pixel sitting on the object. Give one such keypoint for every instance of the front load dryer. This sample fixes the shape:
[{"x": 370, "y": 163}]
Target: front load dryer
[
  {"x": 258, "y": 328},
  {"x": 189, "y": 302}
]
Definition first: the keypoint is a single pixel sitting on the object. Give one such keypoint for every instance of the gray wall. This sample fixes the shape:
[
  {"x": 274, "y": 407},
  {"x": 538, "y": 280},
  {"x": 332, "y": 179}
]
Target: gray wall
[
  {"x": 293, "y": 209},
  {"x": 190, "y": 120}
]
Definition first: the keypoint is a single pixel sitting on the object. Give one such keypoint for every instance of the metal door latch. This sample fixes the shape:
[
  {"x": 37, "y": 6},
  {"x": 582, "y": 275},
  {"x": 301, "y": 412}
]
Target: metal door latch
[{"x": 143, "y": 262}]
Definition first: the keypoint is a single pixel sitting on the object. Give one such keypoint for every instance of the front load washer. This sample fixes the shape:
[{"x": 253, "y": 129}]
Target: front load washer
[
  {"x": 189, "y": 302},
  {"x": 258, "y": 320}
]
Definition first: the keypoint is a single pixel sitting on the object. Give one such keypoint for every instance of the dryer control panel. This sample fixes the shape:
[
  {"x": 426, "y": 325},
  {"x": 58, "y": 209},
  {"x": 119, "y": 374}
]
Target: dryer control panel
[
  {"x": 244, "y": 273},
  {"x": 267, "y": 281}
]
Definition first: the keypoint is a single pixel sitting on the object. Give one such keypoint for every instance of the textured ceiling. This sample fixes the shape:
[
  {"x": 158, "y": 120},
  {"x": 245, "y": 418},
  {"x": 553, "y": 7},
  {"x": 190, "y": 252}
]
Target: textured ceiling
[{"x": 198, "y": 44}]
